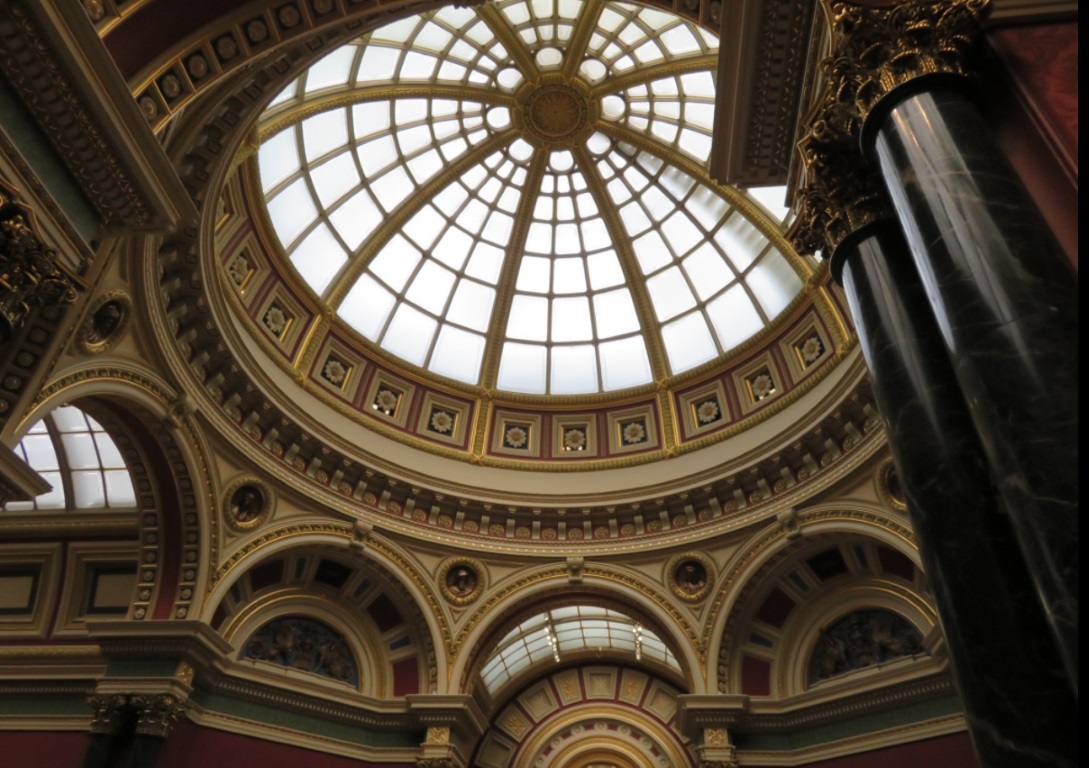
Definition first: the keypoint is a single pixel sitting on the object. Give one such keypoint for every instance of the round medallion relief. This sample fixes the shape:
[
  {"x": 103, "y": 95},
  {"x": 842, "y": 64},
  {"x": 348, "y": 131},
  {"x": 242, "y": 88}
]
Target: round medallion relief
[
  {"x": 106, "y": 323},
  {"x": 247, "y": 504},
  {"x": 461, "y": 580},
  {"x": 555, "y": 112},
  {"x": 690, "y": 576}
]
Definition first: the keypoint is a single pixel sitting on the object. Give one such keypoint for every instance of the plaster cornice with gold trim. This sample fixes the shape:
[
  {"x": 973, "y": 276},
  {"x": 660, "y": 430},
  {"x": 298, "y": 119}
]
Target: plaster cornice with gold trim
[{"x": 51, "y": 56}]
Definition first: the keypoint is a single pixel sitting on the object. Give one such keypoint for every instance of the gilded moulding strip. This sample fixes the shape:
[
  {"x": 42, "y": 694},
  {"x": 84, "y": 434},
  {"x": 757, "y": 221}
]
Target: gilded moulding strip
[
  {"x": 242, "y": 558},
  {"x": 505, "y": 34},
  {"x": 742, "y": 563},
  {"x": 560, "y": 576},
  {"x": 296, "y": 113},
  {"x": 489, "y": 369},
  {"x": 648, "y": 74},
  {"x": 580, "y": 38}
]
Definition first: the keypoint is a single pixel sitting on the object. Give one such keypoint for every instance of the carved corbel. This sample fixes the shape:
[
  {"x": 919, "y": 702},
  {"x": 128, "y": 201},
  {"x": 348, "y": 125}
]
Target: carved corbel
[
  {"x": 361, "y": 534},
  {"x": 788, "y": 523}
]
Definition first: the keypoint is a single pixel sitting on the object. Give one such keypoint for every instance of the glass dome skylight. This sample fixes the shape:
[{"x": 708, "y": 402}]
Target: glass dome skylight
[{"x": 515, "y": 196}]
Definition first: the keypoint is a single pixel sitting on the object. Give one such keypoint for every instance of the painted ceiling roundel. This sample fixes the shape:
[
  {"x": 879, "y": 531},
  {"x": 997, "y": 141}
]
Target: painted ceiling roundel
[{"x": 515, "y": 196}]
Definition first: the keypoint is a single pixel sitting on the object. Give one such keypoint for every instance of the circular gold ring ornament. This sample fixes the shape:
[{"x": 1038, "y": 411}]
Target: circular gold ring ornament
[
  {"x": 555, "y": 112},
  {"x": 461, "y": 580},
  {"x": 247, "y": 503},
  {"x": 889, "y": 488},
  {"x": 106, "y": 322},
  {"x": 690, "y": 576}
]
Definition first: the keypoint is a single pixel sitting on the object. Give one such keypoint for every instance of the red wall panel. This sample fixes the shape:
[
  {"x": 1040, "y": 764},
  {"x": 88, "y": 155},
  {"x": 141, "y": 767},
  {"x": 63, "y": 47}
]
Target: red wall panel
[
  {"x": 954, "y": 751},
  {"x": 191, "y": 746},
  {"x": 41, "y": 749}
]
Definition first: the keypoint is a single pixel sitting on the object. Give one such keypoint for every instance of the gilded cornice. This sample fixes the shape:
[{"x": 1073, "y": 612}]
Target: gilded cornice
[
  {"x": 73, "y": 244},
  {"x": 790, "y": 717},
  {"x": 60, "y": 71},
  {"x": 764, "y": 52},
  {"x": 360, "y": 712},
  {"x": 233, "y": 41},
  {"x": 745, "y": 714}
]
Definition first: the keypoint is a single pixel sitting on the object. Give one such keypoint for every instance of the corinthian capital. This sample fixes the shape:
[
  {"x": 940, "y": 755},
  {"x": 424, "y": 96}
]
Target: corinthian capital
[
  {"x": 157, "y": 714},
  {"x": 876, "y": 50},
  {"x": 29, "y": 273},
  {"x": 841, "y": 195},
  {"x": 108, "y": 712}
]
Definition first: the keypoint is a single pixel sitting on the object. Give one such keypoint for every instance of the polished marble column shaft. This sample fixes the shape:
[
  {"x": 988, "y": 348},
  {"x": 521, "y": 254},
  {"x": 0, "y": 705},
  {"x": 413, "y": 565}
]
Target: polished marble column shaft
[
  {"x": 1005, "y": 300},
  {"x": 1019, "y": 707}
]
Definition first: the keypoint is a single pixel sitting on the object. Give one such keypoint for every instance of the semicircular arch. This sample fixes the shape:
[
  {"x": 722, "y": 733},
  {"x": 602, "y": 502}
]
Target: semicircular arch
[
  {"x": 547, "y": 587},
  {"x": 395, "y": 590},
  {"x": 818, "y": 528}
]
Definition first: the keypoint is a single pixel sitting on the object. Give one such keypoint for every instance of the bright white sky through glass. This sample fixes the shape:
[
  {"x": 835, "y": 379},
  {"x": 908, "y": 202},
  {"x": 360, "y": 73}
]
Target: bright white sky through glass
[
  {"x": 75, "y": 455},
  {"x": 405, "y": 196}
]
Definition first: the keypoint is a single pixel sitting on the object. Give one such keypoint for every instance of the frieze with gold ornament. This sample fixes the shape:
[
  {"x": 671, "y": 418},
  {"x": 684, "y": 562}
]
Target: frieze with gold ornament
[{"x": 183, "y": 73}]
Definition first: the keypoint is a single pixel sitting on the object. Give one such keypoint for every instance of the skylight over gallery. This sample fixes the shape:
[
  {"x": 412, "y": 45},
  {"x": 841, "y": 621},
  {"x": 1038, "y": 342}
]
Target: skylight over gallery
[
  {"x": 562, "y": 632},
  {"x": 515, "y": 196}
]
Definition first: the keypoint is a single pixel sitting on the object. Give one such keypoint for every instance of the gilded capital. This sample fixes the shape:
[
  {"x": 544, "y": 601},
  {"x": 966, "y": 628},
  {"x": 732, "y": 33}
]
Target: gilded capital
[
  {"x": 29, "y": 273},
  {"x": 436, "y": 762},
  {"x": 841, "y": 196},
  {"x": 876, "y": 50},
  {"x": 157, "y": 714},
  {"x": 108, "y": 712}
]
